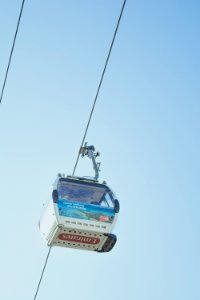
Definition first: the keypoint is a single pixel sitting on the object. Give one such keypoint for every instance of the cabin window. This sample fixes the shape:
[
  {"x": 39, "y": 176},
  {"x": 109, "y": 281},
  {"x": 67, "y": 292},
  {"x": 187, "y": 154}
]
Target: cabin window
[
  {"x": 86, "y": 193},
  {"x": 107, "y": 199}
]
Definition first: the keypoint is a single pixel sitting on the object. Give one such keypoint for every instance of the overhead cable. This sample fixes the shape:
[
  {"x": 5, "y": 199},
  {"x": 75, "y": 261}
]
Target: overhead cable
[
  {"x": 100, "y": 83},
  {"x": 12, "y": 49},
  {"x": 41, "y": 276},
  {"x": 85, "y": 133}
]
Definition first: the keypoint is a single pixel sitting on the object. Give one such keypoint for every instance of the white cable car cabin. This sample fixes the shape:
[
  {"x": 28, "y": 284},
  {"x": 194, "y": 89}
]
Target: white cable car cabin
[{"x": 81, "y": 214}]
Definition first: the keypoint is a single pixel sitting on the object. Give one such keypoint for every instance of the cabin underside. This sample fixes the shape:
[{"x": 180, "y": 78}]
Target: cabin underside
[{"x": 82, "y": 239}]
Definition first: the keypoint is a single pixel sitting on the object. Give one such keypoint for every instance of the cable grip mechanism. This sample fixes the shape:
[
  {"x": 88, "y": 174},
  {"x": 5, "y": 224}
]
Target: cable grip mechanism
[{"x": 90, "y": 152}]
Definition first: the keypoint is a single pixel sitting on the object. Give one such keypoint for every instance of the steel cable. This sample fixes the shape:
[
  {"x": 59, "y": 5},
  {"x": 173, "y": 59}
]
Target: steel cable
[
  {"x": 41, "y": 276},
  {"x": 99, "y": 86},
  {"x": 88, "y": 123},
  {"x": 12, "y": 49}
]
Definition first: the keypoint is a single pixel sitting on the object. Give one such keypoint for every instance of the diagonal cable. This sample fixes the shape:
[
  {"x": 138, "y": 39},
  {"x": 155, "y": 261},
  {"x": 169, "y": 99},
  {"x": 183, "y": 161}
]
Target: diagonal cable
[
  {"x": 12, "y": 49},
  {"x": 100, "y": 83},
  {"x": 41, "y": 276},
  {"x": 85, "y": 133}
]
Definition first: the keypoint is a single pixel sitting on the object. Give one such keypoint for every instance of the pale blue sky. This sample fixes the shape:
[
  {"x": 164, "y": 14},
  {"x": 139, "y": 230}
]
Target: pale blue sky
[{"x": 146, "y": 126}]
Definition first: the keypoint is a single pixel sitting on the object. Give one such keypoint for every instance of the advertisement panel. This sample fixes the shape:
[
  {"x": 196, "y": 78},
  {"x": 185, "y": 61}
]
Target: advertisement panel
[
  {"x": 85, "y": 211},
  {"x": 78, "y": 238}
]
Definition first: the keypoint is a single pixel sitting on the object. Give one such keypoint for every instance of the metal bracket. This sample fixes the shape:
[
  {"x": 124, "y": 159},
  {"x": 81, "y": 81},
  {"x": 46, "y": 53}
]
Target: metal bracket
[{"x": 90, "y": 152}]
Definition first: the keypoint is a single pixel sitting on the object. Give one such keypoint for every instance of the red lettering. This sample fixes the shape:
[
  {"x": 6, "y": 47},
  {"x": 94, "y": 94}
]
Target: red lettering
[{"x": 78, "y": 238}]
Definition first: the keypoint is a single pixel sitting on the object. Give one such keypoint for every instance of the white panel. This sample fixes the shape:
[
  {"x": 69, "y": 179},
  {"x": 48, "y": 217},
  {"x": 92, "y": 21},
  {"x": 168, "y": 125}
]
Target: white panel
[{"x": 48, "y": 220}]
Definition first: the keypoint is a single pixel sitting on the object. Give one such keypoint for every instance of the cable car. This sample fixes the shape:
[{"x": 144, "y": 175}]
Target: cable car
[{"x": 82, "y": 212}]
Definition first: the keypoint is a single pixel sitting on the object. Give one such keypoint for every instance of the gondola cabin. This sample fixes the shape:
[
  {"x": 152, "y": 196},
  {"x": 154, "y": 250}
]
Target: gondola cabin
[{"x": 80, "y": 215}]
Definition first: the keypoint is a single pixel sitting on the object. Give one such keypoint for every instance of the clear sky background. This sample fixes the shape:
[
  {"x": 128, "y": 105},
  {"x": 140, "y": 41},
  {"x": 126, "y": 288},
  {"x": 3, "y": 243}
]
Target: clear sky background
[{"x": 146, "y": 126}]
